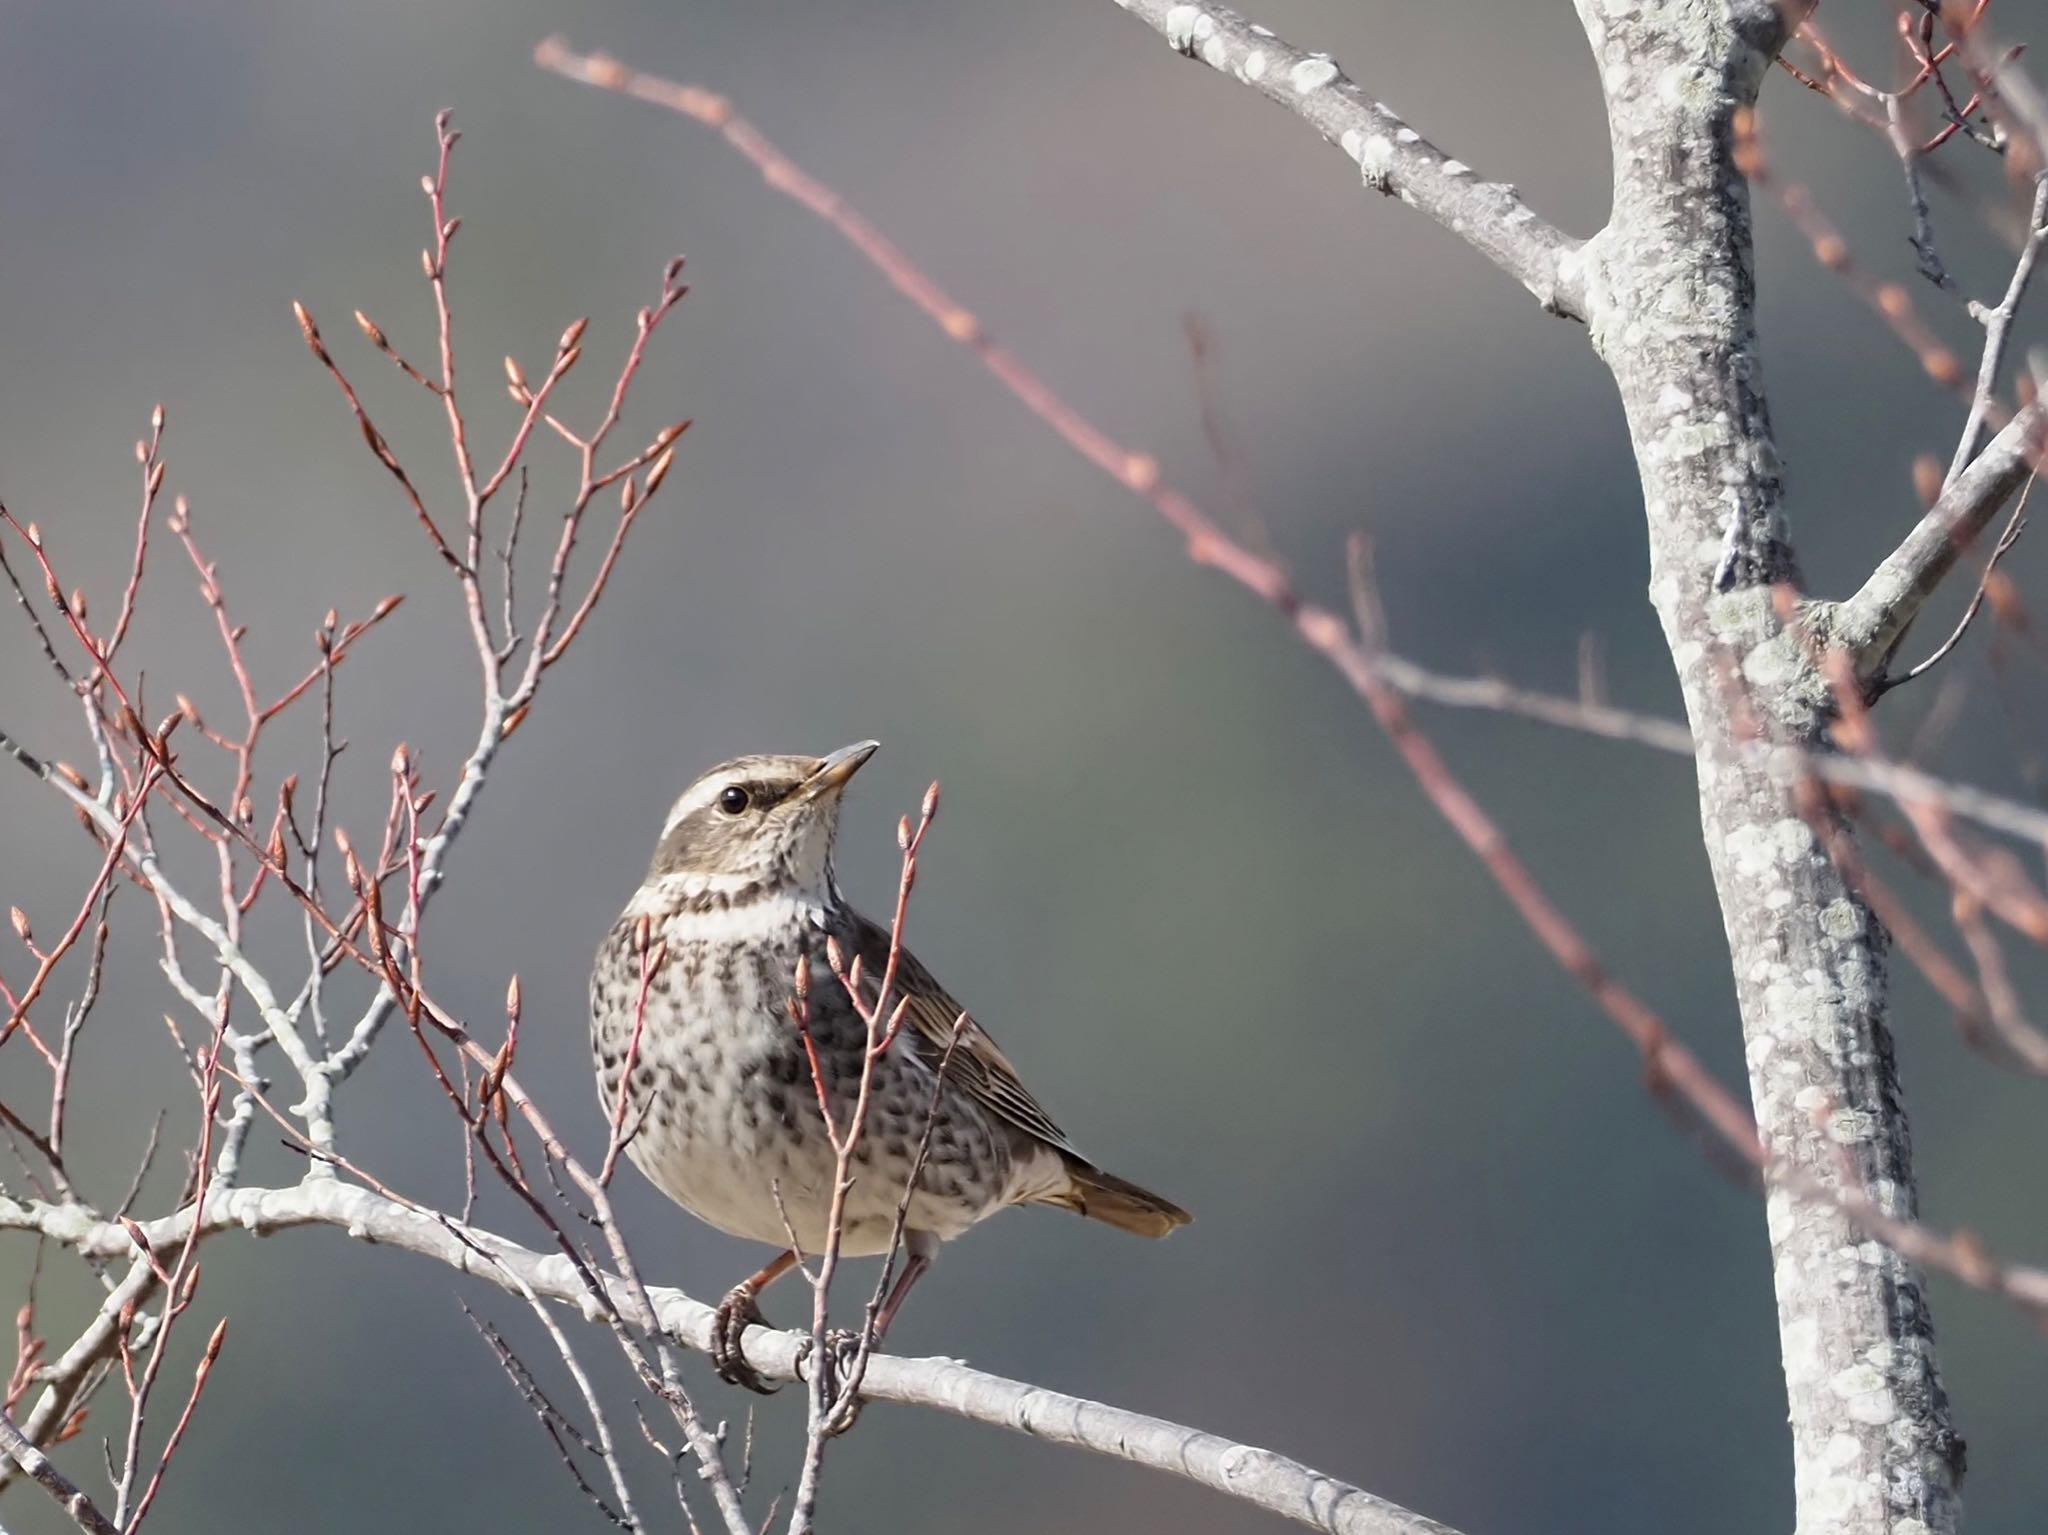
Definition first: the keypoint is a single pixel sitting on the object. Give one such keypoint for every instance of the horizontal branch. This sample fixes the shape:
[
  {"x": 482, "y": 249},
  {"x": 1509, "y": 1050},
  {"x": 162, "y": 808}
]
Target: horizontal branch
[
  {"x": 1790, "y": 765},
  {"x": 1870, "y": 624},
  {"x": 1392, "y": 157},
  {"x": 1260, "y": 1477}
]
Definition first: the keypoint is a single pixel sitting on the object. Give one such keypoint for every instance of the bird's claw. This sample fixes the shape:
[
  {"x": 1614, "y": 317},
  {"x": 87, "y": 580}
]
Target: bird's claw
[
  {"x": 736, "y": 1313},
  {"x": 842, "y": 1348}
]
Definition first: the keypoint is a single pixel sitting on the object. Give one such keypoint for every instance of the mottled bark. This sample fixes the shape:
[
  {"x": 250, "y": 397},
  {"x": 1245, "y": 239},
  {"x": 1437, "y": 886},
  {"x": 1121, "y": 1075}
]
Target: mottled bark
[{"x": 1671, "y": 290}]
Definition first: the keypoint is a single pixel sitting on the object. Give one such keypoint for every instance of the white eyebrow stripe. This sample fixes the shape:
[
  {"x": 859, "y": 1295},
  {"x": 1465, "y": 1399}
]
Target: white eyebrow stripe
[{"x": 695, "y": 798}]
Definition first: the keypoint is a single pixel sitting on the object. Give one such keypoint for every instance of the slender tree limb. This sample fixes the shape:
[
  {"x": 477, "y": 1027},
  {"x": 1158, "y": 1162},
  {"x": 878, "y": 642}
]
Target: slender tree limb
[
  {"x": 1392, "y": 157},
  {"x": 68, "y": 1380},
  {"x": 1787, "y": 764},
  {"x": 1259, "y": 1477},
  {"x": 2015, "y": 525},
  {"x": 1998, "y": 322},
  {"x": 83, "y": 1511},
  {"x": 1490, "y": 216},
  {"x": 1872, "y": 622}
]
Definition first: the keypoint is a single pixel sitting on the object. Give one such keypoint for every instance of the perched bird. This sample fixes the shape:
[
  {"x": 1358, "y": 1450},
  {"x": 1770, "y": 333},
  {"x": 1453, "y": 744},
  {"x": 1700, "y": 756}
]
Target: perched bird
[{"x": 722, "y": 1108}]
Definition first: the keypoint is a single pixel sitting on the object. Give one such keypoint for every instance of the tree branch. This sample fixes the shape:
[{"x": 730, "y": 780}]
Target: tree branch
[
  {"x": 83, "y": 1511},
  {"x": 1392, "y": 157},
  {"x": 1870, "y": 624},
  {"x": 1259, "y": 1477},
  {"x": 1998, "y": 322},
  {"x": 1490, "y": 216}
]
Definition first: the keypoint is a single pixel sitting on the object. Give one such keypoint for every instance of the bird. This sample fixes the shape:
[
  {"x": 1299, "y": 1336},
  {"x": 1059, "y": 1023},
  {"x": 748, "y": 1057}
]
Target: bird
[{"x": 692, "y": 990}]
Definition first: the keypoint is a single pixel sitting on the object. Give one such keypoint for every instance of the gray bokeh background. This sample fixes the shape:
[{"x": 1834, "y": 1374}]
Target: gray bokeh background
[{"x": 1447, "y": 1247}]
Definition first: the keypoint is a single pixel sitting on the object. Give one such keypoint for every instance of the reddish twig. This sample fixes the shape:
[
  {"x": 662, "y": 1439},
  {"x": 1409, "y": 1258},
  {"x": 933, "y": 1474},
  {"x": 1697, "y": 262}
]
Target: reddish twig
[
  {"x": 653, "y": 954},
  {"x": 199, "y": 1377},
  {"x": 372, "y": 436}
]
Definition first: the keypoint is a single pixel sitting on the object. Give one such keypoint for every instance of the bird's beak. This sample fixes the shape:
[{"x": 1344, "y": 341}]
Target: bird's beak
[{"x": 833, "y": 771}]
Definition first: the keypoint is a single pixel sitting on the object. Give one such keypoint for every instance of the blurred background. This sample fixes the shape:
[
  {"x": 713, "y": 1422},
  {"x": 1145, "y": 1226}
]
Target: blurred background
[{"x": 1446, "y": 1245}]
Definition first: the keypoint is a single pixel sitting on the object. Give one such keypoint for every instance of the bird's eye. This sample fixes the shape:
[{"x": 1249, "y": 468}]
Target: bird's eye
[{"x": 734, "y": 800}]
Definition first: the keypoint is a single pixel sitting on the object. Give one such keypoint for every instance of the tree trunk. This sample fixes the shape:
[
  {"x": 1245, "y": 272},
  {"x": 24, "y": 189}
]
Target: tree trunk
[{"x": 1670, "y": 291}]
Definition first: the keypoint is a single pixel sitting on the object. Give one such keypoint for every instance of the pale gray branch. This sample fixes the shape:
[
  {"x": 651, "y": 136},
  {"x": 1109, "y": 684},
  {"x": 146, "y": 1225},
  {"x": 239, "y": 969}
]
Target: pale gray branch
[
  {"x": 1998, "y": 323},
  {"x": 1256, "y": 1476},
  {"x": 1786, "y": 764},
  {"x": 23, "y": 1452},
  {"x": 1871, "y": 623},
  {"x": 67, "y": 1379},
  {"x": 1392, "y": 157}
]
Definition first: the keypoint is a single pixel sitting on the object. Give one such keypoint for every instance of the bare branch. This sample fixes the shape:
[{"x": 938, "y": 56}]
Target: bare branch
[
  {"x": 1997, "y": 322},
  {"x": 83, "y": 1511},
  {"x": 2015, "y": 525},
  {"x": 1871, "y": 623},
  {"x": 1785, "y": 762},
  {"x": 1259, "y": 1477},
  {"x": 1392, "y": 157}
]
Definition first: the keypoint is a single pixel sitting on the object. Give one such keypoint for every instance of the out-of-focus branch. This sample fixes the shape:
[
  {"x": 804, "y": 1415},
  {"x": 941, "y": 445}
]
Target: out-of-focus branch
[
  {"x": 1259, "y": 1477},
  {"x": 1786, "y": 763}
]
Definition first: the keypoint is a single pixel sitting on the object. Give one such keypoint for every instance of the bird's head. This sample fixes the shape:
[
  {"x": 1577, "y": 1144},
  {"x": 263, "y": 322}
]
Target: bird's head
[{"x": 766, "y": 819}]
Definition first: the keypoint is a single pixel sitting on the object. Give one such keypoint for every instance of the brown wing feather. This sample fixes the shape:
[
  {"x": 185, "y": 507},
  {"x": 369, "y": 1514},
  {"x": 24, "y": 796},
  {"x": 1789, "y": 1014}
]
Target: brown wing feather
[{"x": 977, "y": 1067}]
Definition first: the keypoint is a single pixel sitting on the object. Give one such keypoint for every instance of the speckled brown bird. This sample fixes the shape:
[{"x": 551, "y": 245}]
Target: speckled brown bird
[{"x": 722, "y": 1110}]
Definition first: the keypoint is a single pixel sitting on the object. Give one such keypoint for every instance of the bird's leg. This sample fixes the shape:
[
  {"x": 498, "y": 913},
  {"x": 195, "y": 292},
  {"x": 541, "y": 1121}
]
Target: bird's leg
[
  {"x": 736, "y": 1313},
  {"x": 913, "y": 1270}
]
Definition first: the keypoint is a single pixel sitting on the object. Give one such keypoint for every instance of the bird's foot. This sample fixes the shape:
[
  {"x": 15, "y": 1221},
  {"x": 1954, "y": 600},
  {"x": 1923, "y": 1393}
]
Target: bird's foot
[
  {"x": 842, "y": 1348},
  {"x": 736, "y": 1313}
]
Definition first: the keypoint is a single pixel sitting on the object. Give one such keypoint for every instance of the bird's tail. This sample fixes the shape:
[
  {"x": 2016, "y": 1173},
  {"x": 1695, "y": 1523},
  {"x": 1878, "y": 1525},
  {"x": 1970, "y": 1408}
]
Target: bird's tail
[{"x": 1116, "y": 1201}]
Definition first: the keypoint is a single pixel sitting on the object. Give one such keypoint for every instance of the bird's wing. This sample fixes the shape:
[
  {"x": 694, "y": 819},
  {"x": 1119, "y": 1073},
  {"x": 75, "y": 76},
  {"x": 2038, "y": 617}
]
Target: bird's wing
[{"x": 977, "y": 1067}]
